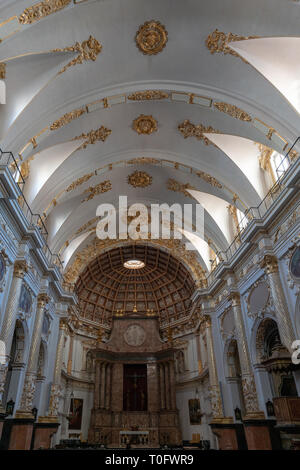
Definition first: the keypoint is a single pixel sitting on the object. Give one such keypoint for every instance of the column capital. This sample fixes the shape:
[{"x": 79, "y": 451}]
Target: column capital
[
  {"x": 63, "y": 324},
  {"x": 42, "y": 300},
  {"x": 20, "y": 268},
  {"x": 269, "y": 264},
  {"x": 235, "y": 298}
]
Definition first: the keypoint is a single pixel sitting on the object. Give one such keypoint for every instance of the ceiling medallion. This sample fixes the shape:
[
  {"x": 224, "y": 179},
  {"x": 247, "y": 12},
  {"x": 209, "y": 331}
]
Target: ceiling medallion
[
  {"x": 151, "y": 37},
  {"x": 144, "y": 124},
  {"x": 140, "y": 179},
  {"x": 134, "y": 264}
]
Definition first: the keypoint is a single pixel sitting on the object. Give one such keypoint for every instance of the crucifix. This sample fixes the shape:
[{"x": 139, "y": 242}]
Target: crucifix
[{"x": 134, "y": 380}]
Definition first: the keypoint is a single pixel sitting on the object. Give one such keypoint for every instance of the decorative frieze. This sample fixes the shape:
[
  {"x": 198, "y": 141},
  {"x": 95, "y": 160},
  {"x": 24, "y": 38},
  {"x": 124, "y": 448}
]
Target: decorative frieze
[
  {"x": 100, "y": 188},
  {"x": 233, "y": 111},
  {"x": 41, "y": 10}
]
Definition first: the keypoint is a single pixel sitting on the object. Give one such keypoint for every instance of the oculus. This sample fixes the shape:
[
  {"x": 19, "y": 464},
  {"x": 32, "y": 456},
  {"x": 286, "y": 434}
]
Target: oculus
[
  {"x": 144, "y": 124},
  {"x": 139, "y": 179},
  {"x": 151, "y": 37},
  {"x": 295, "y": 264},
  {"x": 134, "y": 264}
]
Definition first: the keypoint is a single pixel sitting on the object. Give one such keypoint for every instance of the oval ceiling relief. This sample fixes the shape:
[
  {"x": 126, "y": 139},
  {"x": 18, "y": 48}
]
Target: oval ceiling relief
[{"x": 258, "y": 299}]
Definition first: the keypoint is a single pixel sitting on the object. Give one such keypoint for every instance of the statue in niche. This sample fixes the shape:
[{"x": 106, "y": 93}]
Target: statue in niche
[{"x": 195, "y": 411}]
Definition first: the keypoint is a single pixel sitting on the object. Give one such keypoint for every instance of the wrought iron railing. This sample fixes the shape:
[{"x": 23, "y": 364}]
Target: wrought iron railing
[
  {"x": 34, "y": 220},
  {"x": 256, "y": 213}
]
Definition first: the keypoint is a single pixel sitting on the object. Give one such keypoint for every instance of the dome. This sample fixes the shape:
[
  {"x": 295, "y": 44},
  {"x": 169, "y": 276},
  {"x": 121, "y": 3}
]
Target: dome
[{"x": 161, "y": 285}]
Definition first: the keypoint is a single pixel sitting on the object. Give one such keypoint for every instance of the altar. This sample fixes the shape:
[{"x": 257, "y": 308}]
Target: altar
[
  {"x": 134, "y": 395},
  {"x": 134, "y": 438}
]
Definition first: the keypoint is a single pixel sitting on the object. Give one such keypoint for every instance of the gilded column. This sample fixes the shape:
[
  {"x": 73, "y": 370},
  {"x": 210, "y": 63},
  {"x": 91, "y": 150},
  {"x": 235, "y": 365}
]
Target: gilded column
[
  {"x": 55, "y": 387},
  {"x": 215, "y": 393},
  {"x": 30, "y": 378},
  {"x": 287, "y": 335},
  {"x": 70, "y": 357},
  {"x": 248, "y": 380},
  {"x": 9, "y": 320}
]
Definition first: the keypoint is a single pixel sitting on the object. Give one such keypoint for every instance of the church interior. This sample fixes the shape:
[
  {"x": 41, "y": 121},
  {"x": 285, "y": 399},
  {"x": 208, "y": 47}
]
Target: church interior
[{"x": 135, "y": 340}]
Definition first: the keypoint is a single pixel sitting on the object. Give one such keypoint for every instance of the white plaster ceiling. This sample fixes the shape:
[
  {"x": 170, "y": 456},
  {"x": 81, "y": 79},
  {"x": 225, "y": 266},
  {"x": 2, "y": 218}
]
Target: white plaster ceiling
[{"x": 37, "y": 95}]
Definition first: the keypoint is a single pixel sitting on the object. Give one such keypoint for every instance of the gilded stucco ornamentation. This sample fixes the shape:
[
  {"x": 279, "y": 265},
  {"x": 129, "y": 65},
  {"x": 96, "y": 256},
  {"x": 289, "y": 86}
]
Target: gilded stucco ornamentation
[
  {"x": 143, "y": 161},
  {"x": 41, "y": 10},
  {"x": 100, "y": 188},
  {"x": 66, "y": 118},
  {"x": 79, "y": 182},
  {"x": 87, "y": 225},
  {"x": 151, "y": 37},
  {"x": 233, "y": 111},
  {"x": 144, "y": 125},
  {"x": 2, "y": 70},
  {"x": 218, "y": 41},
  {"x": 87, "y": 50},
  {"x": 148, "y": 95},
  {"x": 178, "y": 187},
  {"x": 93, "y": 136},
  {"x": 139, "y": 179},
  {"x": 189, "y": 129},
  {"x": 209, "y": 179}
]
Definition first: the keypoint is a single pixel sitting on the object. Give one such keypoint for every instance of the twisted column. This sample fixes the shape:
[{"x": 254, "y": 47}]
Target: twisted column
[
  {"x": 97, "y": 386},
  {"x": 56, "y": 387},
  {"x": 9, "y": 320},
  {"x": 30, "y": 378},
  {"x": 215, "y": 393},
  {"x": 286, "y": 331},
  {"x": 248, "y": 381}
]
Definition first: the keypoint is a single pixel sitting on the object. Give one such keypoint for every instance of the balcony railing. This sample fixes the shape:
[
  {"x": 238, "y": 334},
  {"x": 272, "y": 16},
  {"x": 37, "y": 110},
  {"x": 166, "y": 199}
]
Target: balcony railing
[
  {"x": 257, "y": 213},
  {"x": 34, "y": 220}
]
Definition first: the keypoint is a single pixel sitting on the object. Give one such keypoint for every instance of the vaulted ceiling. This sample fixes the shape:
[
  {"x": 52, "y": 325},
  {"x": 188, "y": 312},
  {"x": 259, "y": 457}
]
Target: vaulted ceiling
[{"x": 76, "y": 81}]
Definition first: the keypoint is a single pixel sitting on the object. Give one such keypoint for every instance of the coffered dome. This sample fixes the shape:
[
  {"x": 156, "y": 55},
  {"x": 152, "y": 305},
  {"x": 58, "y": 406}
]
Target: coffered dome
[{"x": 163, "y": 285}]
